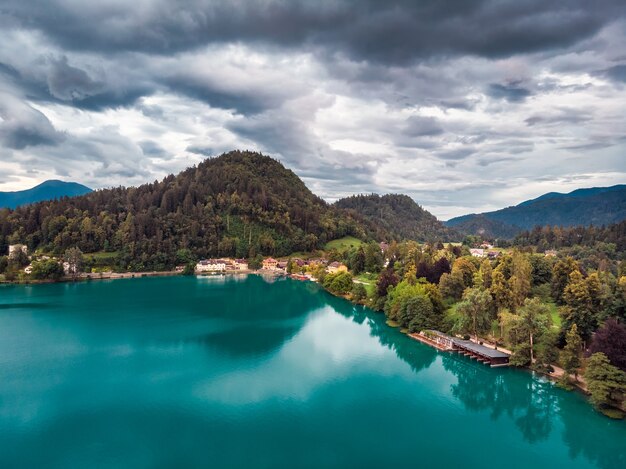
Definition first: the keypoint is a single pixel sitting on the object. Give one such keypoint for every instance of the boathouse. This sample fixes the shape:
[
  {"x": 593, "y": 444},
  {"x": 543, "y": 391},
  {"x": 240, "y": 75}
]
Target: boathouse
[{"x": 481, "y": 353}]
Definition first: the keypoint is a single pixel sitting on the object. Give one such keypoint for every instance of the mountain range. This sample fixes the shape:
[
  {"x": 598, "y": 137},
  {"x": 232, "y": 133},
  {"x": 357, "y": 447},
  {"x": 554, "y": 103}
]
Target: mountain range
[
  {"x": 593, "y": 206},
  {"x": 243, "y": 202},
  {"x": 47, "y": 190},
  {"x": 237, "y": 204}
]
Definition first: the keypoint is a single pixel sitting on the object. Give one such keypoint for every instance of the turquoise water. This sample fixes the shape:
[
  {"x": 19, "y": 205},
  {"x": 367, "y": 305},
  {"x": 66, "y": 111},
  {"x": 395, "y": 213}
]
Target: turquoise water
[{"x": 241, "y": 372}]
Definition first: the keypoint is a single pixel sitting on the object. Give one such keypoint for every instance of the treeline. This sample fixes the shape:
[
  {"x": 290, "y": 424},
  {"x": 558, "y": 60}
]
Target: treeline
[
  {"x": 555, "y": 237},
  {"x": 550, "y": 311},
  {"x": 400, "y": 215},
  {"x": 239, "y": 204}
]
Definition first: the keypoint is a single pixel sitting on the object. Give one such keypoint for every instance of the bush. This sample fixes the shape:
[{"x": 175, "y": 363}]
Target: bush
[{"x": 339, "y": 283}]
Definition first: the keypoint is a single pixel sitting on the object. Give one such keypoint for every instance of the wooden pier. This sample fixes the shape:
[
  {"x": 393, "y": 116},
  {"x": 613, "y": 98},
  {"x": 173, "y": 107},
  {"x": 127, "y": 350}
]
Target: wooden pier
[{"x": 478, "y": 352}]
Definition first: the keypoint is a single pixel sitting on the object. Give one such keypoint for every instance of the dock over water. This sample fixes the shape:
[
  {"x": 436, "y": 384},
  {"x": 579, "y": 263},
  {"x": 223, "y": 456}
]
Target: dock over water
[{"x": 482, "y": 353}]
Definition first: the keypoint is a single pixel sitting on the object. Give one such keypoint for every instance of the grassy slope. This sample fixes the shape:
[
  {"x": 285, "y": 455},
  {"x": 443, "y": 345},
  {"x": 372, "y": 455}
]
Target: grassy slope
[{"x": 342, "y": 244}]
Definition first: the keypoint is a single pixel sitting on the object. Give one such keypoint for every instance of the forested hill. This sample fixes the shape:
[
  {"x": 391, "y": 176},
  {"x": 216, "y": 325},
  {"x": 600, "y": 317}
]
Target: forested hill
[
  {"x": 47, "y": 190},
  {"x": 399, "y": 215},
  {"x": 595, "y": 206},
  {"x": 238, "y": 204}
]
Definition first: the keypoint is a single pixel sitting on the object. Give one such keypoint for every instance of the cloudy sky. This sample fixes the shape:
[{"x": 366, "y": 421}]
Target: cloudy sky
[{"x": 465, "y": 105}]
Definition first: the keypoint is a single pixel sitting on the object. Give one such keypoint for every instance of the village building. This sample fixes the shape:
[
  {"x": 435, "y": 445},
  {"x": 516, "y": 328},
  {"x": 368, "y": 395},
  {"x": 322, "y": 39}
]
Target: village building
[
  {"x": 318, "y": 261},
  {"x": 335, "y": 267},
  {"x": 240, "y": 264},
  {"x": 486, "y": 246},
  {"x": 282, "y": 265},
  {"x": 493, "y": 254},
  {"x": 550, "y": 253},
  {"x": 270, "y": 263},
  {"x": 477, "y": 252},
  {"x": 383, "y": 246},
  {"x": 15, "y": 248},
  {"x": 69, "y": 269},
  {"x": 211, "y": 265}
]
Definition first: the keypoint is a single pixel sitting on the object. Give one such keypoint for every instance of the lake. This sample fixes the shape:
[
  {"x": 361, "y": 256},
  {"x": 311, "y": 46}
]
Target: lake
[{"x": 253, "y": 372}]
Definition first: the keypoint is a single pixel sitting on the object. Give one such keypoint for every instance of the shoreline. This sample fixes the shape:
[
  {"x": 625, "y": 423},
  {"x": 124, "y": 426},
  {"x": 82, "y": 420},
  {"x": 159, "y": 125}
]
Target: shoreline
[{"x": 85, "y": 277}]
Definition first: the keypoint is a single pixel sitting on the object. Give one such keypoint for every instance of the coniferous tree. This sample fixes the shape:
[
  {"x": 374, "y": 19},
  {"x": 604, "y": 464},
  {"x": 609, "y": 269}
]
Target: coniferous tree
[
  {"x": 570, "y": 356},
  {"x": 606, "y": 383}
]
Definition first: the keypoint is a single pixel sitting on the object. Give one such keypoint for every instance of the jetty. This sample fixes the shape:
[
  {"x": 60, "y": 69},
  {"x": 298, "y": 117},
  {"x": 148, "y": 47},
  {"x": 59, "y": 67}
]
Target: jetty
[{"x": 479, "y": 352}]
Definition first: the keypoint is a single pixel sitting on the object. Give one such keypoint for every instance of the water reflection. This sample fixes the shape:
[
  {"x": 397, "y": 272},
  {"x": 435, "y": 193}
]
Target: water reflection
[
  {"x": 535, "y": 404},
  {"x": 237, "y": 361}
]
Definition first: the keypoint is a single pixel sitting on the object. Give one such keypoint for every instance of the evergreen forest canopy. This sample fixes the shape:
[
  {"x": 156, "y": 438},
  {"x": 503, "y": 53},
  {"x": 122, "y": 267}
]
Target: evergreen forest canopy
[
  {"x": 238, "y": 204},
  {"x": 400, "y": 215}
]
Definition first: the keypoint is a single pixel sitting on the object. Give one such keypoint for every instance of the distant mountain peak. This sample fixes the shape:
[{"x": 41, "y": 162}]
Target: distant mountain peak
[
  {"x": 47, "y": 190},
  {"x": 587, "y": 206}
]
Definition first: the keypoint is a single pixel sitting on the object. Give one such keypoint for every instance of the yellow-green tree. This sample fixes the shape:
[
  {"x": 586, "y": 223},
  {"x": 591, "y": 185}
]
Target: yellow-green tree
[{"x": 570, "y": 356}]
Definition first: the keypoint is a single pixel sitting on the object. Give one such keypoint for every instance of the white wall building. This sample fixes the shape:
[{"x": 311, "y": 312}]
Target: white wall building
[{"x": 211, "y": 265}]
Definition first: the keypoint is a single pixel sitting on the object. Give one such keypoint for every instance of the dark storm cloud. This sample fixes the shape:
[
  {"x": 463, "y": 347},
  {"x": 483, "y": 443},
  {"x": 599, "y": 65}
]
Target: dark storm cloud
[
  {"x": 354, "y": 96},
  {"x": 389, "y": 32},
  {"x": 201, "y": 150},
  {"x": 510, "y": 93},
  {"x": 617, "y": 73},
  {"x": 70, "y": 83},
  {"x": 560, "y": 116},
  {"x": 244, "y": 102},
  {"x": 417, "y": 126},
  {"x": 22, "y": 126},
  {"x": 150, "y": 148}
]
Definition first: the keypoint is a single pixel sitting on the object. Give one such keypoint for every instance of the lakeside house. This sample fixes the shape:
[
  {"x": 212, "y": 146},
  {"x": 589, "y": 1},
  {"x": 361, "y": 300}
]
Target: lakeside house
[
  {"x": 335, "y": 267},
  {"x": 477, "y": 252},
  {"x": 211, "y": 265},
  {"x": 270, "y": 263},
  {"x": 240, "y": 264},
  {"x": 317, "y": 261},
  {"x": 282, "y": 265},
  {"x": 15, "y": 248}
]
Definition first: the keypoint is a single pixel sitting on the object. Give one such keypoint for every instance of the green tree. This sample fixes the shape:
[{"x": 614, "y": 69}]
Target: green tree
[
  {"x": 452, "y": 285},
  {"x": 75, "y": 261},
  {"x": 359, "y": 293},
  {"x": 561, "y": 277},
  {"x": 255, "y": 263},
  {"x": 48, "y": 269},
  {"x": 579, "y": 306},
  {"x": 373, "y": 258},
  {"x": 475, "y": 312},
  {"x": 500, "y": 290},
  {"x": 357, "y": 261},
  {"x": 533, "y": 320},
  {"x": 521, "y": 279},
  {"x": 606, "y": 383},
  {"x": 466, "y": 268},
  {"x": 421, "y": 314},
  {"x": 570, "y": 356},
  {"x": 548, "y": 352}
]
